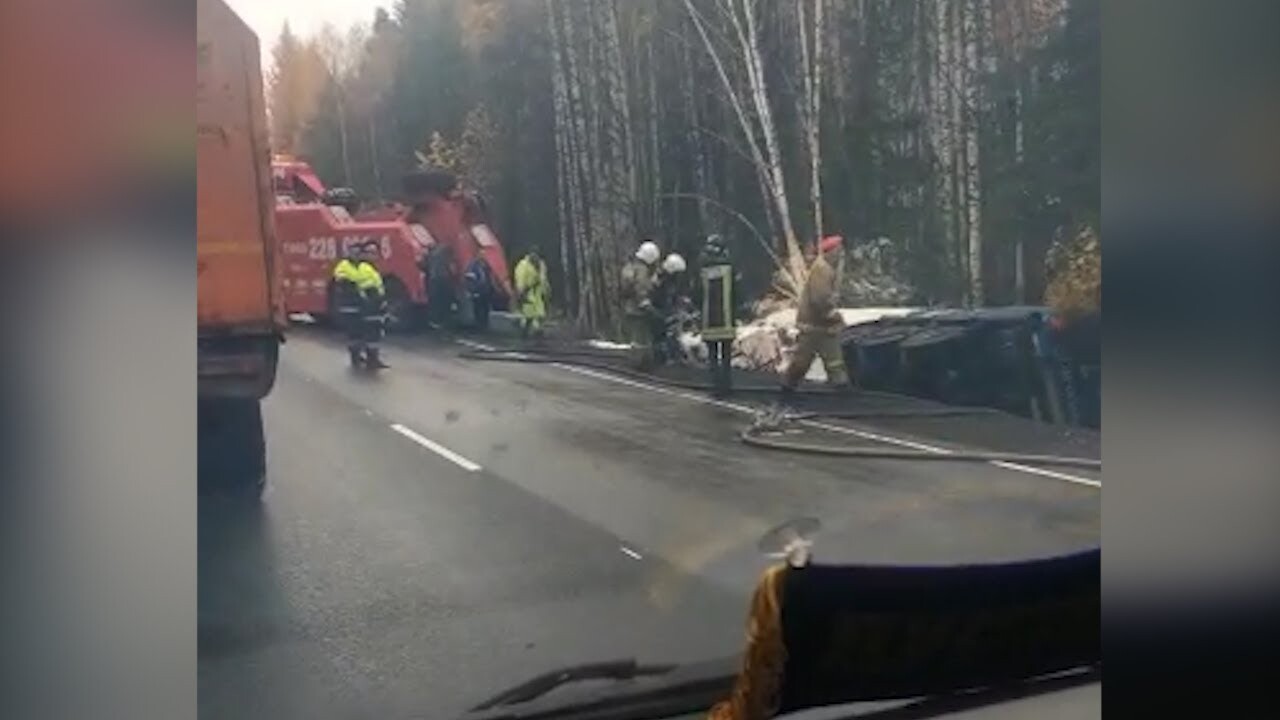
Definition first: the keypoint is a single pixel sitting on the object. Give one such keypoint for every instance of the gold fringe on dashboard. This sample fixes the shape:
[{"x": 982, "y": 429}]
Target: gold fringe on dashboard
[{"x": 757, "y": 690}]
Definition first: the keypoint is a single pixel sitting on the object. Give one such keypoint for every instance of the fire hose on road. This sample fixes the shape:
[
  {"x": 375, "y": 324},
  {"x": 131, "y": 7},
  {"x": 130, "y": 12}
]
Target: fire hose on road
[{"x": 770, "y": 422}]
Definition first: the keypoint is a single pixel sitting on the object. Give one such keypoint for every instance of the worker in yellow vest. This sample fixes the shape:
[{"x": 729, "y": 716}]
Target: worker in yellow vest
[
  {"x": 533, "y": 290},
  {"x": 361, "y": 302}
]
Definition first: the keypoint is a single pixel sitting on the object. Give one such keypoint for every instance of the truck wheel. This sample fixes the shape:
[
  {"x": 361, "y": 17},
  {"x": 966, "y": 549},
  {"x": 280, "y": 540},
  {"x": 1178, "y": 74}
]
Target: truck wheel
[
  {"x": 231, "y": 455},
  {"x": 402, "y": 314}
]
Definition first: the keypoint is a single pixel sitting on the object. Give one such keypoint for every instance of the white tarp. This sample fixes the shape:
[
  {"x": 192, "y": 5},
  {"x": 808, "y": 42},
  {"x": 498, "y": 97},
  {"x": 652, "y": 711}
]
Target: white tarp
[{"x": 766, "y": 343}]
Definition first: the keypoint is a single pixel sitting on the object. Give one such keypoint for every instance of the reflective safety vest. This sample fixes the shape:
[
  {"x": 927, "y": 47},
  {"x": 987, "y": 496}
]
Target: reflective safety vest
[
  {"x": 363, "y": 275},
  {"x": 717, "y": 303}
]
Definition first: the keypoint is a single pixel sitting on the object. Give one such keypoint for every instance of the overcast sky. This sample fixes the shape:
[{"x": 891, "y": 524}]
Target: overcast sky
[{"x": 305, "y": 16}]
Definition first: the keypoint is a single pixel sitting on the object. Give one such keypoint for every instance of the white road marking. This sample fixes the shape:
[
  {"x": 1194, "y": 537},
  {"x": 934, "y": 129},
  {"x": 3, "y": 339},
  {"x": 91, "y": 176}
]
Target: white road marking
[
  {"x": 653, "y": 388},
  {"x": 630, "y": 553},
  {"x": 475, "y": 345},
  {"x": 1019, "y": 467},
  {"x": 877, "y": 437},
  {"x": 436, "y": 448},
  {"x": 1016, "y": 467},
  {"x": 888, "y": 440}
]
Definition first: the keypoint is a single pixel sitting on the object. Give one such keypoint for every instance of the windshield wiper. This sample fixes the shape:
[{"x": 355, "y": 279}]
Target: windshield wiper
[
  {"x": 541, "y": 685},
  {"x": 662, "y": 690},
  {"x": 666, "y": 691}
]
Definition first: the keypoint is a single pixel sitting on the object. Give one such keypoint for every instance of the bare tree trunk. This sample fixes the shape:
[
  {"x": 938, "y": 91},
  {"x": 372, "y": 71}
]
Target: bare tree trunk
[
  {"x": 740, "y": 113},
  {"x": 342, "y": 136},
  {"x": 955, "y": 83},
  {"x": 815, "y": 142},
  {"x": 601, "y": 189},
  {"x": 565, "y": 185},
  {"x": 973, "y": 164},
  {"x": 655, "y": 147},
  {"x": 812, "y": 107},
  {"x": 1019, "y": 269},
  {"x": 769, "y": 172},
  {"x": 943, "y": 130},
  {"x": 583, "y": 146},
  {"x": 1019, "y": 250},
  {"x": 701, "y": 173},
  {"x": 760, "y": 95},
  {"x": 373, "y": 153},
  {"x": 622, "y": 152},
  {"x": 579, "y": 166},
  {"x": 987, "y": 25}
]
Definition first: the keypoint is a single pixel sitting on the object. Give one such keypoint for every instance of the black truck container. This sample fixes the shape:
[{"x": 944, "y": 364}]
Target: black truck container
[{"x": 1020, "y": 359}]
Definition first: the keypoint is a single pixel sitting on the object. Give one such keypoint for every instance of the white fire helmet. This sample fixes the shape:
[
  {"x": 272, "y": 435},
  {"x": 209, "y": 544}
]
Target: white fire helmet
[
  {"x": 648, "y": 252},
  {"x": 673, "y": 264}
]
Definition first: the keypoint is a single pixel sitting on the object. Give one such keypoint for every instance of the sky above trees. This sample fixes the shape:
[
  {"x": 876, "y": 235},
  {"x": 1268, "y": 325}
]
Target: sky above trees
[{"x": 305, "y": 17}]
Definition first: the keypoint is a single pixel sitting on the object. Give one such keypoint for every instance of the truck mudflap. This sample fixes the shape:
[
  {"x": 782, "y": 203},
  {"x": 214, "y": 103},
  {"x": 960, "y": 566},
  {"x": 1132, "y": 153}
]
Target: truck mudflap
[{"x": 237, "y": 366}]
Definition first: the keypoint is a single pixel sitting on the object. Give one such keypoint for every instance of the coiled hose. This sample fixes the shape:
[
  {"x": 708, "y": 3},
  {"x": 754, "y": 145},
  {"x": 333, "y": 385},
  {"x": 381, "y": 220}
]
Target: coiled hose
[{"x": 758, "y": 434}]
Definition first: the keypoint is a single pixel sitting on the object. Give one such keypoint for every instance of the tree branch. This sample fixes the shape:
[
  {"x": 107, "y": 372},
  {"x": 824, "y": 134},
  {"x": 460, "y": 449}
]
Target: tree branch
[{"x": 764, "y": 242}]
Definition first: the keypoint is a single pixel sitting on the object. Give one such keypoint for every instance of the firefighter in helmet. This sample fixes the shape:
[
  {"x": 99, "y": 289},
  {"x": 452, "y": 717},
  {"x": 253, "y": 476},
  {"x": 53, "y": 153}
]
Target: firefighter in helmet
[
  {"x": 819, "y": 321},
  {"x": 718, "y": 331},
  {"x": 638, "y": 277}
]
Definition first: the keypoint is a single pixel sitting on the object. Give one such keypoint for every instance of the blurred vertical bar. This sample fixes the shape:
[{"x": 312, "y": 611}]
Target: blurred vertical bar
[
  {"x": 1191, "y": 179},
  {"x": 97, "y": 192}
]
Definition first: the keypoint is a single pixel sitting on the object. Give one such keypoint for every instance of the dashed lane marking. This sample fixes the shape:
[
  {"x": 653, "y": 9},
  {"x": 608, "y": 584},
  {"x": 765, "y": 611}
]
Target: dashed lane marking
[
  {"x": 437, "y": 448},
  {"x": 630, "y": 553}
]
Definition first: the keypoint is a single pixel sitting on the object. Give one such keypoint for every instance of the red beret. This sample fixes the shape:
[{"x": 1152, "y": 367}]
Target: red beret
[{"x": 830, "y": 242}]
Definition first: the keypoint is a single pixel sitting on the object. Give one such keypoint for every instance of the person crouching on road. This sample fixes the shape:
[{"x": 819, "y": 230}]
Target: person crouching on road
[
  {"x": 638, "y": 277},
  {"x": 819, "y": 322},
  {"x": 362, "y": 301},
  {"x": 665, "y": 298},
  {"x": 533, "y": 291}
]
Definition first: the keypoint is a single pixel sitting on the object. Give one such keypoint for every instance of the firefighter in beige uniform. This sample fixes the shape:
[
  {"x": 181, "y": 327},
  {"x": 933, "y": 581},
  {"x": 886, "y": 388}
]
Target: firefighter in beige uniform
[
  {"x": 819, "y": 322},
  {"x": 639, "y": 275}
]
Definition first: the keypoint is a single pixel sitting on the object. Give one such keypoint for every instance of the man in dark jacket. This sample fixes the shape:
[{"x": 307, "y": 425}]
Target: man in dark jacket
[
  {"x": 421, "y": 188},
  {"x": 437, "y": 267},
  {"x": 478, "y": 283}
]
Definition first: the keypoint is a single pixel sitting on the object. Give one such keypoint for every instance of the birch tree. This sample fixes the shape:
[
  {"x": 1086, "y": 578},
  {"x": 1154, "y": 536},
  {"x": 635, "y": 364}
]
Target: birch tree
[
  {"x": 812, "y": 62},
  {"x": 336, "y": 53},
  {"x": 294, "y": 85},
  {"x": 765, "y": 151}
]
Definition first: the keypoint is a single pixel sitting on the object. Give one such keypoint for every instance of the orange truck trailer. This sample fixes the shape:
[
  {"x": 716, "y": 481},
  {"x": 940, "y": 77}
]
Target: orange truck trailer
[{"x": 240, "y": 306}]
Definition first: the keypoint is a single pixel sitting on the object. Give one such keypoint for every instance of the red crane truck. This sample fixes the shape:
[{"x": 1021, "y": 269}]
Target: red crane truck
[{"x": 316, "y": 229}]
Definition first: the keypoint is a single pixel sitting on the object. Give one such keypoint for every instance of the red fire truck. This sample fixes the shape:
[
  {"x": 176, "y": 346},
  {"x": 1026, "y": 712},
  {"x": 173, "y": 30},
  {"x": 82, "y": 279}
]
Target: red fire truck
[{"x": 316, "y": 226}]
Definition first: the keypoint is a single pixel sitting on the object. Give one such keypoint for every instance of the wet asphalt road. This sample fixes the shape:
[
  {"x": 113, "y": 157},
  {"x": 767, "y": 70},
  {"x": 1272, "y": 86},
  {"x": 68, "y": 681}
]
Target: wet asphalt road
[{"x": 444, "y": 530}]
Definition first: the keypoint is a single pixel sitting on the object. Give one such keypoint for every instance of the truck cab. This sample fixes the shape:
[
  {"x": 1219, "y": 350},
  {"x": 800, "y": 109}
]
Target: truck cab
[{"x": 240, "y": 305}]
